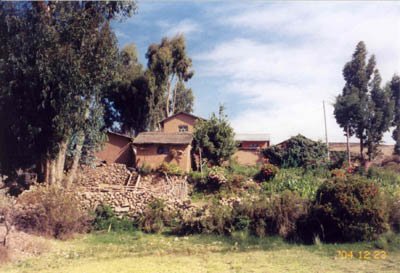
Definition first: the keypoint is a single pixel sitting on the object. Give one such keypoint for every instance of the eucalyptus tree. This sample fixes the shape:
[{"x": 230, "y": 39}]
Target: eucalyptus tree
[{"x": 57, "y": 58}]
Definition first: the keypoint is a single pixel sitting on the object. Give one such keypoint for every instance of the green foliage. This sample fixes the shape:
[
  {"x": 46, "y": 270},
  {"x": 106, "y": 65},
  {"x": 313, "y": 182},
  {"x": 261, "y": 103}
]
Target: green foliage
[
  {"x": 296, "y": 180},
  {"x": 170, "y": 169},
  {"x": 168, "y": 68},
  {"x": 388, "y": 180},
  {"x": 51, "y": 210},
  {"x": 215, "y": 138},
  {"x": 363, "y": 108},
  {"x": 145, "y": 169},
  {"x": 394, "y": 89},
  {"x": 216, "y": 178},
  {"x": 105, "y": 219},
  {"x": 267, "y": 172},
  {"x": 349, "y": 209},
  {"x": 57, "y": 60},
  {"x": 155, "y": 217},
  {"x": 247, "y": 171},
  {"x": 298, "y": 151}
]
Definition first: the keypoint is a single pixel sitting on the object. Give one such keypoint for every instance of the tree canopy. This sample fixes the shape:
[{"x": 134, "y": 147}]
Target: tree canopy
[
  {"x": 363, "y": 109},
  {"x": 215, "y": 138},
  {"x": 56, "y": 59}
]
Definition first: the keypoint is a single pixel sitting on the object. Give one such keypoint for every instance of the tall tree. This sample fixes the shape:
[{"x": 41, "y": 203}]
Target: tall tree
[
  {"x": 394, "y": 87},
  {"x": 127, "y": 102},
  {"x": 380, "y": 113},
  {"x": 56, "y": 60},
  {"x": 214, "y": 138},
  {"x": 168, "y": 64},
  {"x": 184, "y": 99},
  {"x": 351, "y": 107}
]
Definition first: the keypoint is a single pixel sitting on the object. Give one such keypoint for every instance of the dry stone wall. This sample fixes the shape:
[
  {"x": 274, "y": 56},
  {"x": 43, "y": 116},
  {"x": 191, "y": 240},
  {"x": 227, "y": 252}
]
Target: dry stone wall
[{"x": 127, "y": 192}]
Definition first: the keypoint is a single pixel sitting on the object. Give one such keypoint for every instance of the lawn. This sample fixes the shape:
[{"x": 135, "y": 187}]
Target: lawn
[{"x": 138, "y": 252}]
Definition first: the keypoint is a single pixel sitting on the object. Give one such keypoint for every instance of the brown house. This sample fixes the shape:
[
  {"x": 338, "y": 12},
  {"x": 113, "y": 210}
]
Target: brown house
[
  {"x": 250, "y": 148},
  {"x": 172, "y": 144},
  {"x": 117, "y": 150}
]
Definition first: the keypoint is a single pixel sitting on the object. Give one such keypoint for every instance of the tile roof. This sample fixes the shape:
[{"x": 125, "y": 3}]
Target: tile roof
[{"x": 163, "y": 138}]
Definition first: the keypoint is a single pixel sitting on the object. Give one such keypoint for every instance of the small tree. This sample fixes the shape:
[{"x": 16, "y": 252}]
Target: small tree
[
  {"x": 394, "y": 86},
  {"x": 215, "y": 138}
]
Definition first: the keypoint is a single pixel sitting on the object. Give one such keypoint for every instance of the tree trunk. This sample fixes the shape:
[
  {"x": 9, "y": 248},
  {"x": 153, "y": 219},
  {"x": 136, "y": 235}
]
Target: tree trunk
[
  {"x": 169, "y": 83},
  {"x": 60, "y": 161},
  {"x": 348, "y": 145},
  {"x": 174, "y": 99},
  {"x": 362, "y": 151},
  {"x": 76, "y": 158}
]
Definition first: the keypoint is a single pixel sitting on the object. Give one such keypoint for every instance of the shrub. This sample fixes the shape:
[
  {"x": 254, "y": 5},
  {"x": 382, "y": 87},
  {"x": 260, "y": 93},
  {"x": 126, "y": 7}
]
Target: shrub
[
  {"x": 51, "y": 210},
  {"x": 235, "y": 182},
  {"x": 155, "y": 217},
  {"x": 338, "y": 173},
  {"x": 338, "y": 159},
  {"x": 215, "y": 218},
  {"x": 298, "y": 151},
  {"x": 216, "y": 178},
  {"x": 349, "y": 209},
  {"x": 267, "y": 172},
  {"x": 105, "y": 219},
  {"x": 145, "y": 169},
  {"x": 170, "y": 169}
]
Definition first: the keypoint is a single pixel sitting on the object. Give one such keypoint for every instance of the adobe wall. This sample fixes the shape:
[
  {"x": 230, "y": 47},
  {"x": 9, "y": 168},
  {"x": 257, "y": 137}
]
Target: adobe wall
[
  {"x": 116, "y": 150},
  {"x": 147, "y": 154},
  {"x": 172, "y": 125},
  {"x": 248, "y": 157}
]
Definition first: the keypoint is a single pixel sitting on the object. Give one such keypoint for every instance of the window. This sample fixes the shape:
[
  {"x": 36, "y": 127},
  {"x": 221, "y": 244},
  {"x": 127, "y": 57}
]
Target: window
[
  {"x": 183, "y": 128},
  {"x": 162, "y": 150},
  {"x": 253, "y": 145}
]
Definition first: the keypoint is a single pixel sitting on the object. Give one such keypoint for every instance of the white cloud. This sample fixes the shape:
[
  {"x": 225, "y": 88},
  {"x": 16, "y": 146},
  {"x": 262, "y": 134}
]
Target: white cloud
[
  {"x": 185, "y": 26},
  {"x": 290, "y": 59}
]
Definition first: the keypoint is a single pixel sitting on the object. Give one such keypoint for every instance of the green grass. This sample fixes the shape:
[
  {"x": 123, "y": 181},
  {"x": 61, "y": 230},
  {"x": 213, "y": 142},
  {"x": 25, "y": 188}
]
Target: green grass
[{"x": 138, "y": 252}]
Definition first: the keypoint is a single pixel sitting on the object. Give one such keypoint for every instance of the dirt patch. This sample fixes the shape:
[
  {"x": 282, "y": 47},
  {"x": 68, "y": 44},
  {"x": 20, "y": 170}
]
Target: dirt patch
[{"x": 21, "y": 245}]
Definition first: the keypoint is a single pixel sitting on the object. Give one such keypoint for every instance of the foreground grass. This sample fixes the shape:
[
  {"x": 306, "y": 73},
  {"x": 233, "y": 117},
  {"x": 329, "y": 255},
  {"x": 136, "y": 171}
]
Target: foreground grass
[{"x": 138, "y": 252}]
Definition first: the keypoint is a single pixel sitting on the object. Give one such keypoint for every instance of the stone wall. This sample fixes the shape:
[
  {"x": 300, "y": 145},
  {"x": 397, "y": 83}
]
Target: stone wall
[{"x": 128, "y": 193}]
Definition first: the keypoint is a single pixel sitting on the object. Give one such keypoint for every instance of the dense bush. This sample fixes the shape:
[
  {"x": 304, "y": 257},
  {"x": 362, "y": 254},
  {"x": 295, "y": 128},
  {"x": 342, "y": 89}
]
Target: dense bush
[
  {"x": 51, "y": 210},
  {"x": 247, "y": 171},
  {"x": 105, "y": 219},
  {"x": 267, "y": 172},
  {"x": 297, "y": 151},
  {"x": 155, "y": 217},
  {"x": 170, "y": 169},
  {"x": 349, "y": 209}
]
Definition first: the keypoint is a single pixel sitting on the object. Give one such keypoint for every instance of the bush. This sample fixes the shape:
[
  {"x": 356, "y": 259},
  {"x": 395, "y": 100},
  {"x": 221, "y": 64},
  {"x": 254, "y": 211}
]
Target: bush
[
  {"x": 349, "y": 209},
  {"x": 155, "y": 217},
  {"x": 267, "y": 172},
  {"x": 145, "y": 169},
  {"x": 216, "y": 178},
  {"x": 51, "y": 210},
  {"x": 105, "y": 219},
  {"x": 298, "y": 151},
  {"x": 170, "y": 169}
]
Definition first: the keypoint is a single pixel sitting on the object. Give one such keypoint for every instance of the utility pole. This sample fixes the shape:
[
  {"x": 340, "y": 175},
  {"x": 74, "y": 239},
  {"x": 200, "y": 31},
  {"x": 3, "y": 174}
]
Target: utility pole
[{"x": 326, "y": 131}]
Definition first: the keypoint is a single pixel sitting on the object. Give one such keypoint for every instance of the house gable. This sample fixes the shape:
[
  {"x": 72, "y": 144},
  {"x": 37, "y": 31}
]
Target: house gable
[{"x": 180, "y": 122}]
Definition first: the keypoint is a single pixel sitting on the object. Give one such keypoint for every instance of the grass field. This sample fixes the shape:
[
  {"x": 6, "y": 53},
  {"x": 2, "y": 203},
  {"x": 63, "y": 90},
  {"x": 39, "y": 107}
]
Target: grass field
[{"x": 138, "y": 252}]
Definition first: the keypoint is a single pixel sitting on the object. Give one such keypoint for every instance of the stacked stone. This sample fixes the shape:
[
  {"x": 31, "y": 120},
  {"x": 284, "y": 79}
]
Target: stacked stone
[{"x": 111, "y": 174}]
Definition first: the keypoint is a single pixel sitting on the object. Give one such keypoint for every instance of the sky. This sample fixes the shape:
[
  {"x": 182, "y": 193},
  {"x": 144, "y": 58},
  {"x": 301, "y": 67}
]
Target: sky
[{"x": 271, "y": 64}]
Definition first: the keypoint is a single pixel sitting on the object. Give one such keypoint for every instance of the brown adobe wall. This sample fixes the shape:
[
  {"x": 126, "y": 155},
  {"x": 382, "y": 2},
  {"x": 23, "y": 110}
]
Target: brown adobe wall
[
  {"x": 172, "y": 125},
  {"x": 248, "y": 157},
  {"x": 116, "y": 150}
]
